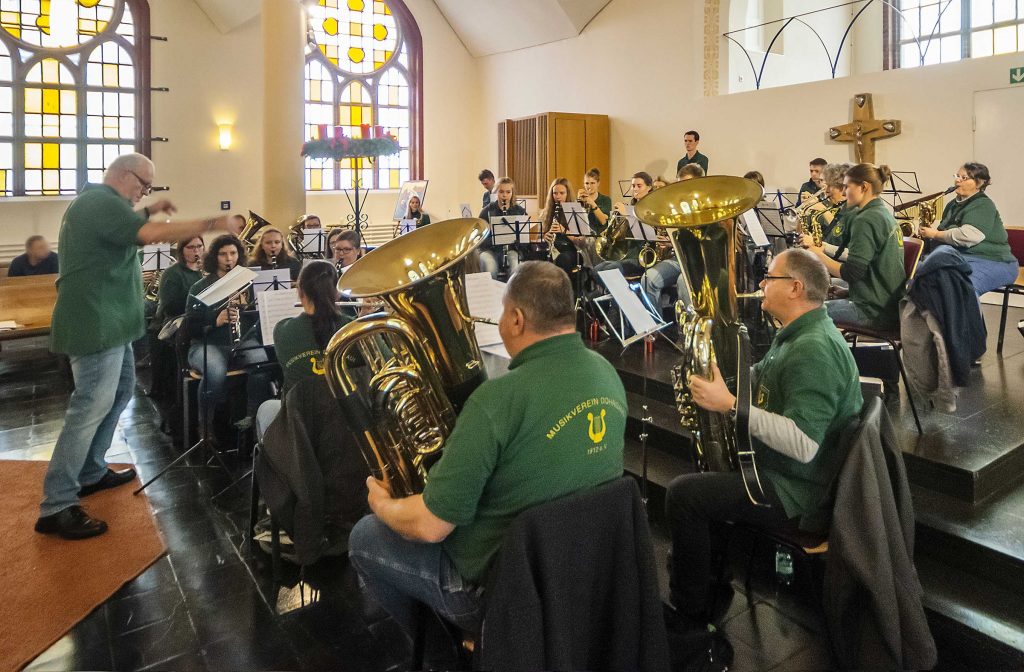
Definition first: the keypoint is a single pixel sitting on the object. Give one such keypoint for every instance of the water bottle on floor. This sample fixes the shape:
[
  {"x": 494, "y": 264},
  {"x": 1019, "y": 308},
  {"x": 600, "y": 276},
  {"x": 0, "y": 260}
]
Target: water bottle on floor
[{"x": 783, "y": 566}]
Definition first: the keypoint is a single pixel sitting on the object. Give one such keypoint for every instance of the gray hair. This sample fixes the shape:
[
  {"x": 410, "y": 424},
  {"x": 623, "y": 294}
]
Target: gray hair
[
  {"x": 809, "y": 270},
  {"x": 833, "y": 174},
  {"x": 543, "y": 292},
  {"x": 129, "y": 163}
]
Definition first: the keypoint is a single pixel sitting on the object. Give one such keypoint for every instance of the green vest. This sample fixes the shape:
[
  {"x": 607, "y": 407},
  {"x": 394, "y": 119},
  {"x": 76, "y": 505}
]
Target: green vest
[
  {"x": 876, "y": 241},
  {"x": 553, "y": 425},
  {"x": 821, "y": 405},
  {"x": 99, "y": 290},
  {"x": 980, "y": 212}
]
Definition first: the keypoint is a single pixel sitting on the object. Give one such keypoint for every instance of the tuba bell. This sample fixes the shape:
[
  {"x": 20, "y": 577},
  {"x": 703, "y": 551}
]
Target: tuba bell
[
  {"x": 612, "y": 243},
  {"x": 700, "y": 216},
  {"x": 248, "y": 235},
  {"x": 400, "y": 379}
]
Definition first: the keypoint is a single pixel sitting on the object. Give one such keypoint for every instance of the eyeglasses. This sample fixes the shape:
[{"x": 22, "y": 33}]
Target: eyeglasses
[
  {"x": 147, "y": 187},
  {"x": 344, "y": 250},
  {"x": 778, "y": 277},
  {"x": 961, "y": 178}
]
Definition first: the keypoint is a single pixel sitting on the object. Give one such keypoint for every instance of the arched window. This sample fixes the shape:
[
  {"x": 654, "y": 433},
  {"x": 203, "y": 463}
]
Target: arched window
[
  {"x": 74, "y": 91},
  {"x": 363, "y": 65}
]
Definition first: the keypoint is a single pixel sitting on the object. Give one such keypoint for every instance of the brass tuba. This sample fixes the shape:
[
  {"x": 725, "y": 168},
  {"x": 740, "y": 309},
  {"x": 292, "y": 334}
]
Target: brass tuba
[
  {"x": 249, "y": 231},
  {"x": 700, "y": 215},
  {"x": 400, "y": 379}
]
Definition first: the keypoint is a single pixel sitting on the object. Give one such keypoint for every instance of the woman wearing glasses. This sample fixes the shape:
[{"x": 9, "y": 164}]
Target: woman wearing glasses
[
  {"x": 179, "y": 278},
  {"x": 973, "y": 226}
]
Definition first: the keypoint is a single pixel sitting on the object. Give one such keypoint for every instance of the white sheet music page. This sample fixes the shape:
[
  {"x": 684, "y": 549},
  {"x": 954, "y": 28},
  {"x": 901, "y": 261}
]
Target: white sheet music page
[
  {"x": 483, "y": 294},
  {"x": 754, "y": 229},
  {"x": 274, "y": 307},
  {"x": 639, "y": 230},
  {"x": 576, "y": 219},
  {"x": 629, "y": 303},
  {"x": 505, "y": 228},
  {"x": 234, "y": 281},
  {"x": 264, "y": 280}
]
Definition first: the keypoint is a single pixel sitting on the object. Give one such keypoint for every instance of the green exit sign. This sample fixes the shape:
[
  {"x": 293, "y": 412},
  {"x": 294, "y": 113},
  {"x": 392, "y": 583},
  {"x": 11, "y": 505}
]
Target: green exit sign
[{"x": 1016, "y": 75}]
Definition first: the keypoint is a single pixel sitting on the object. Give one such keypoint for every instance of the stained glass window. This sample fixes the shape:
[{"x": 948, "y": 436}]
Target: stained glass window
[
  {"x": 73, "y": 80},
  {"x": 363, "y": 66}
]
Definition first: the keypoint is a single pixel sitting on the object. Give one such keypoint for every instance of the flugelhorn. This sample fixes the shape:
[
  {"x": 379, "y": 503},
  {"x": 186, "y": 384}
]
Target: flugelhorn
[{"x": 401, "y": 379}]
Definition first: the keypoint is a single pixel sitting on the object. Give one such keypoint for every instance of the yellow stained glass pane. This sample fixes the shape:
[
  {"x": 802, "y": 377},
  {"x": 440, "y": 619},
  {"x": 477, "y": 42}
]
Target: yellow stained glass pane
[
  {"x": 88, "y": 4},
  {"x": 110, "y": 74},
  {"x": 3, "y": 180},
  {"x": 380, "y": 32},
  {"x": 356, "y": 55},
  {"x": 355, "y": 29},
  {"x": 331, "y": 26},
  {"x": 33, "y": 155},
  {"x": 316, "y": 179},
  {"x": 33, "y": 101},
  {"x": 51, "y": 101},
  {"x": 51, "y": 155},
  {"x": 356, "y": 5}
]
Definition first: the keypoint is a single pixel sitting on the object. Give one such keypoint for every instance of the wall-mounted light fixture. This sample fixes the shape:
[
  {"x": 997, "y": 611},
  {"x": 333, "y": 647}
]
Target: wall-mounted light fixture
[{"x": 224, "y": 136}]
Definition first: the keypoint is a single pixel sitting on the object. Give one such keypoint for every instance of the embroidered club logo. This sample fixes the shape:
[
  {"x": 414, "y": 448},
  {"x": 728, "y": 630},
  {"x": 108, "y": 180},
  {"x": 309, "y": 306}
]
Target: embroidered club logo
[
  {"x": 318, "y": 369},
  {"x": 597, "y": 427},
  {"x": 837, "y": 230},
  {"x": 762, "y": 396}
]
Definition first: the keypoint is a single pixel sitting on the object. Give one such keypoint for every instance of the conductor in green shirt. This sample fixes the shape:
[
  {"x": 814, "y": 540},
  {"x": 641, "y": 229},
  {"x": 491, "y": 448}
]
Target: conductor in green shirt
[
  {"x": 99, "y": 312},
  {"x": 553, "y": 425},
  {"x": 796, "y": 417}
]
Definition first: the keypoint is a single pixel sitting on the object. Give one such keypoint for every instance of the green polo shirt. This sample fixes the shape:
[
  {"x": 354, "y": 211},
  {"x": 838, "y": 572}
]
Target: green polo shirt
[
  {"x": 980, "y": 212},
  {"x": 174, "y": 285},
  {"x": 877, "y": 242},
  {"x": 551, "y": 426},
  {"x": 604, "y": 204},
  {"x": 833, "y": 233},
  {"x": 99, "y": 290},
  {"x": 698, "y": 158},
  {"x": 821, "y": 405},
  {"x": 297, "y": 349}
]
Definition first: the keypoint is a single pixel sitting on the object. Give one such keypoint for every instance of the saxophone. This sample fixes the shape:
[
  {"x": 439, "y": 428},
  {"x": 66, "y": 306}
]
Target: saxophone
[{"x": 700, "y": 215}]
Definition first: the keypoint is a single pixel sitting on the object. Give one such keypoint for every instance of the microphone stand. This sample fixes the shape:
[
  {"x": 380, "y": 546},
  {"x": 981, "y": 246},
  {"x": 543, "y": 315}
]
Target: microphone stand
[{"x": 204, "y": 437}]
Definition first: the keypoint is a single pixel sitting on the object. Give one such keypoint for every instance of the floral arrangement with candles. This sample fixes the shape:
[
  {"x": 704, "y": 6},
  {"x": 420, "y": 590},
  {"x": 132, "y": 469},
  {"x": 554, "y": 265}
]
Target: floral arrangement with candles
[{"x": 334, "y": 144}]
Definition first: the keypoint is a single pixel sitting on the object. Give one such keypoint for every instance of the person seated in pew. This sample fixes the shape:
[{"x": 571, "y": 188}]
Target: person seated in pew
[
  {"x": 667, "y": 272},
  {"x": 415, "y": 212},
  {"x": 271, "y": 253},
  {"x": 874, "y": 267},
  {"x": 222, "y": 338},
  {"x": 520, "y": 440},
  {"x": 38, "y": 259},
  {"x": 796, "y": 418},
  {"x": 503, "y": 205},
  {"x": 300, "y": 341},
  {"x": 971, "y": 224}
]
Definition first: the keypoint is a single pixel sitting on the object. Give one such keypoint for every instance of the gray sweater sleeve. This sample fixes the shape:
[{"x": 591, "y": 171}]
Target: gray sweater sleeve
[
  {"x": 963, "y": 236},
  {"x": 831, "y": 250},
  {"x": 782, "y": 435}
]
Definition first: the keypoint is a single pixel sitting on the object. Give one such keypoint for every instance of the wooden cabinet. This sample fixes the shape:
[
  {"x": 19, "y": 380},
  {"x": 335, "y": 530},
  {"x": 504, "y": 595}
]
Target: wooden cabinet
[{"x": 535, "y": 150}]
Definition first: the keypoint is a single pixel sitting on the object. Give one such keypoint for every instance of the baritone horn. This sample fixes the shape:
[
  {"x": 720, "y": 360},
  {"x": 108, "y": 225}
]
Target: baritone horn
[
  {"x": 700, "y": 215},
  {"x": 400, "y": 379}
]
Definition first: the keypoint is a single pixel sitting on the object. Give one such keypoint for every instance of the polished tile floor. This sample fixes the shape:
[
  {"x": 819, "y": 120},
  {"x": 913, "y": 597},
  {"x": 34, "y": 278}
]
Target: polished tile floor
[{"x": 211, "y": 604}]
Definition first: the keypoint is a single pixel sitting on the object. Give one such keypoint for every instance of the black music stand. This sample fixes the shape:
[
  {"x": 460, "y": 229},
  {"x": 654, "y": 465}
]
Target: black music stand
[
  {"x": 577, "y": 224},
  {"x": 312, "y": 246},
  {"x": 511, "y": 231}
]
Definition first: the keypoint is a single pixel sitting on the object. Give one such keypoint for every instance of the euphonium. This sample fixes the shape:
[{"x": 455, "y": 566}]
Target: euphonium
[
  {"x": 700, "y": 215},
  {"x": 400, "y": 379},
  {"x": 252, "y": 227},
  {"x": 612, "y": 243}
]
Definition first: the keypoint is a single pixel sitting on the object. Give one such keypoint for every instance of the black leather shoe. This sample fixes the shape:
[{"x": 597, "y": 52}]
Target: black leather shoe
[
  {"x": 111, "y": 479},
  {"x": 71, "y": 523}
]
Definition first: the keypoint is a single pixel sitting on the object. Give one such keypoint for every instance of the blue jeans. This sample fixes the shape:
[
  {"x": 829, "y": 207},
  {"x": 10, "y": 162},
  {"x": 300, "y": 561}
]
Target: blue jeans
[
  {"x": 398, "y": 573},
  {"x": 214, "y": 378},
  {"x": 489, "y": 261},
  {"x": 104, "y": 383},
  {"x": 265, "y": 415},
  {"x": 629, "y": 267},
  {"x": 660, "y": 276},
  {"x": 988, "y": 275},
  {"x": 846, "y": 312}
]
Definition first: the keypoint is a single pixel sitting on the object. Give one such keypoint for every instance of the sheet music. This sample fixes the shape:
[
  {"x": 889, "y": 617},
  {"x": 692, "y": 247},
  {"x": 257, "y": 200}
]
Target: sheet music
[
  {"x": 156, "y": 257},
  {"x": 274, "y": 307},
  {"x": 576, "y": 220},
  {"x": 484, "y": 294},
  {"x": 754, "y": 229},
  {"x": 509, "y": 229},
  {"x": 312, "y": 241},
  {"x": 233, "y": 282},
  {"x": 264, "y": 280},
  {"x": 405, "y": 226},
  {"x": 639, "y": 318},
  {"x": 465, "y": 210},
  {"x": 638, "y": 229}
]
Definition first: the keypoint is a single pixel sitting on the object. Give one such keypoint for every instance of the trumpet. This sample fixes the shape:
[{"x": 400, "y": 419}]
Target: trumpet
[{"x": 581, "y": 197}]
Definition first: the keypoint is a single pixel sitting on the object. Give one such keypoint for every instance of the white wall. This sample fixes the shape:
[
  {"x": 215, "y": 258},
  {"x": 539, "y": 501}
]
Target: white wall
[{"x": 650, "y": 84}]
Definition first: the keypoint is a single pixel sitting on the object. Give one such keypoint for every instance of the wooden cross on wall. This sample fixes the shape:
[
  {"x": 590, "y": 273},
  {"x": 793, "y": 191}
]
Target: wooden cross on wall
[{"x": 864, "y": 130}]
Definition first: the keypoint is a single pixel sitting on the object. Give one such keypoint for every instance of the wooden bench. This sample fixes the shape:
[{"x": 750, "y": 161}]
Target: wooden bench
[{"x": 29, "y": 303}]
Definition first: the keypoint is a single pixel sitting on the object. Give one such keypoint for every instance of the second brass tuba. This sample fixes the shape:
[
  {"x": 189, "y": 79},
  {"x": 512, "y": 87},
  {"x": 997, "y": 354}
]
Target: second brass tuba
[
  {"x": 400, "y": 379},
  {"x": 700, "y": 216}
]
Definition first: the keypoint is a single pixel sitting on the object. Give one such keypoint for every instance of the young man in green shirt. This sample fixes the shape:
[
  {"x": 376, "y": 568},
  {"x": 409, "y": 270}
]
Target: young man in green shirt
[
  {"x": 553, "y": 425},
  {"x": 690, "y": 141},
  {"x": 598, "y": 205},
  {"x": 796, "y": 419},
  {"x": 99, "y": 312}
]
